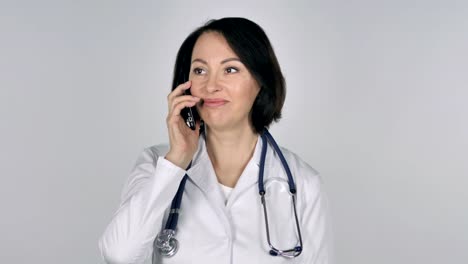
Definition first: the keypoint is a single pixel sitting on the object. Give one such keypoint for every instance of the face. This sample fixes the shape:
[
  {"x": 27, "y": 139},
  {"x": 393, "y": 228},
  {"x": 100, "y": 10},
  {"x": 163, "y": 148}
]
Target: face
[{"x": 226, "y": 87}]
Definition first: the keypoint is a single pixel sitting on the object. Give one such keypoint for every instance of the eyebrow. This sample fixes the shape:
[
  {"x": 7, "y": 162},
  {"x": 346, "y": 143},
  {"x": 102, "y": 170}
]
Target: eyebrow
[{"x": 222, "y": 62}]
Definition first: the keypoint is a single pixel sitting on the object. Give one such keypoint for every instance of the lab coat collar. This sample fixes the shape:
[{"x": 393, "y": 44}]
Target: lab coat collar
[
  {"x": 203, "y": 175},
  {"x": 202, "y": 154},
  {"x": 201, "y": 167}
]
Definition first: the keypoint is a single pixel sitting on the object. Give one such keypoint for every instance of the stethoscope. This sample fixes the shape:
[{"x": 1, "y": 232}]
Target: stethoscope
[{"x": 166, "y": 242}]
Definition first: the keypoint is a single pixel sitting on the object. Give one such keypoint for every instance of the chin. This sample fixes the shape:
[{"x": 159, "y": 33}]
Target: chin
[
  {"x": 217, "y": 124},
  {"x": 223, "y": 121},
  {"x": 224, "y": 125}
]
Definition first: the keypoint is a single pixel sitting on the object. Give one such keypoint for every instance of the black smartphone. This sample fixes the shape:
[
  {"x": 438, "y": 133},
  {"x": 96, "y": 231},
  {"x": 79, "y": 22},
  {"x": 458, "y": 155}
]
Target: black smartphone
[{"x": 189, "y": 114}]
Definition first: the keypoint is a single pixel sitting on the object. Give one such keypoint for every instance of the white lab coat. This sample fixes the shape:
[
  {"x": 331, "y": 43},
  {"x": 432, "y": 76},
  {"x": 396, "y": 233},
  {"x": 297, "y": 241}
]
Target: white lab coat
[{"x": 209, "y": 230}]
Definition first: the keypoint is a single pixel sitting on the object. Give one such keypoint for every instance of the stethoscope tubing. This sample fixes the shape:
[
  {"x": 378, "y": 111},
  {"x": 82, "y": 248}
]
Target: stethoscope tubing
[
  {"x": 173, "y": 217},
  {"x": 266, "y": 136}
]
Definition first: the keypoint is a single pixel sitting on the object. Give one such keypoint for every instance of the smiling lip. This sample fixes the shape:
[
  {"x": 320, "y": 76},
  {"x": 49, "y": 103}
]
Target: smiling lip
[{"x": 214, "y": 102}]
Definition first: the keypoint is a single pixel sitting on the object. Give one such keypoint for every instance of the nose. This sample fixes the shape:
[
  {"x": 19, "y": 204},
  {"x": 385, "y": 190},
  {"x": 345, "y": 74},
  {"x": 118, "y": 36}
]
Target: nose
[{"x": 212, "y": 84}]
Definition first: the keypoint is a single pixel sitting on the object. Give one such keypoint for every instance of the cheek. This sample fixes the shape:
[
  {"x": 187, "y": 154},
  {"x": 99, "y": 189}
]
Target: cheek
[
  {"x": 195, "y": 89},
  {"x": 252, "y": 94}
]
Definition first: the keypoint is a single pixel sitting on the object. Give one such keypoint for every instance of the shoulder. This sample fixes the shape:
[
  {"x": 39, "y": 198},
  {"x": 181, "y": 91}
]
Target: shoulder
[
  {"x": 298, "y": 164},
  {"x": 143, "y": 168},
  {"x": 150, "y": 154},
  {"x": 157, "y": 150},
  {"x": 306, "y": 177}
]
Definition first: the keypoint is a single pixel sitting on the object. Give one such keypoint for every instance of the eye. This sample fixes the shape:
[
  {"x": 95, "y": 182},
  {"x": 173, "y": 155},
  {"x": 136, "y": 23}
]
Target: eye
[
  {"x": 231, "y": 70},
  {"x": 198, "y": 71}
]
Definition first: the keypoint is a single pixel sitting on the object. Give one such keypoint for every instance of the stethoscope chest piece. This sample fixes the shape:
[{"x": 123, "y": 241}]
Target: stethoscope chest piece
[{"x": 166, "y": 243}]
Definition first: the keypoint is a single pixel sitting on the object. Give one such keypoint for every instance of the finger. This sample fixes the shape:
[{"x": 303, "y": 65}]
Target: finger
[
  {"x": 184, "y": 98},
  {"x": 175, "y": 119},
  {"x": 179, "y": 90},
  {"x": 181, "y": 99},
  {"x": 177, "y": 108}
]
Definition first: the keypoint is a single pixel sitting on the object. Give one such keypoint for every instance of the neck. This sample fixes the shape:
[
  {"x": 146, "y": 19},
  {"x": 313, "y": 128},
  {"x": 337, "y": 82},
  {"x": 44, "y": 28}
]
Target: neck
[{"x": 230, "y": 151}]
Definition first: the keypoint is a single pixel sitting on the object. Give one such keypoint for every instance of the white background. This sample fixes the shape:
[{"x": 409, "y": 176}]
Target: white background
[{"x": 377, "y": 102}]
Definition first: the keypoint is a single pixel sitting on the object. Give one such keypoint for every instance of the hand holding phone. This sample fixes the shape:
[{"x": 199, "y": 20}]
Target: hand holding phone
[{"x": 183, "y": 141}]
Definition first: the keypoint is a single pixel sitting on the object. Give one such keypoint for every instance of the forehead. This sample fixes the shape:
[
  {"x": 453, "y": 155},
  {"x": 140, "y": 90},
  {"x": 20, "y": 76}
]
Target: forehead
[{"x": 212, "y": 46}]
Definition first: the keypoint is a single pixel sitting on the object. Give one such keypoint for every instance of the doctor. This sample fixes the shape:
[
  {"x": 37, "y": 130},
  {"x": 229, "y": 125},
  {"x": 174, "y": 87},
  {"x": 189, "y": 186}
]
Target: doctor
[{"x": 237, "y": 89}]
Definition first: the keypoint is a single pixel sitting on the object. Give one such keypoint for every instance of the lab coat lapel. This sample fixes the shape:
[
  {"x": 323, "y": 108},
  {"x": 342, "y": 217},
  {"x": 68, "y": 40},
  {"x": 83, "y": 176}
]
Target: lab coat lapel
[
  {"x": 203, "y": 176},
  {"x": 249, "y": 176}
]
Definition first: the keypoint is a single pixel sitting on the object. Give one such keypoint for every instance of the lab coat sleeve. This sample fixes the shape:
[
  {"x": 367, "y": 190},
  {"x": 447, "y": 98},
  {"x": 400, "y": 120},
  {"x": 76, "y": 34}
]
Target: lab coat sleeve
[
  {"x": 316, "y": 223},
  {"x": 148, "y": 192}
]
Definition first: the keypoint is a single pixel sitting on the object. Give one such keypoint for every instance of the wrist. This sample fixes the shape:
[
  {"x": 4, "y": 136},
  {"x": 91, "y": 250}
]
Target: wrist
[{"x": 178, "y": 160}]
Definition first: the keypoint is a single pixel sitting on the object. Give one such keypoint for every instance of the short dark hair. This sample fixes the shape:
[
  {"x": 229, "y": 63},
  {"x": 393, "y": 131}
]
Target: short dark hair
[{"x": 249, "y": 41}]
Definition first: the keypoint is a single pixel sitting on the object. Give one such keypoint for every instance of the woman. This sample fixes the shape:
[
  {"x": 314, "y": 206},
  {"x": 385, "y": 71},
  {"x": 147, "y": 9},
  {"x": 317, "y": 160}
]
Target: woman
[{"x": 237, "y": 89}]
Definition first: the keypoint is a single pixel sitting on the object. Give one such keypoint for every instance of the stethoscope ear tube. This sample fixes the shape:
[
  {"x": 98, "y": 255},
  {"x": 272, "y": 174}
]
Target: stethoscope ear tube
[
  {"x": 266, "y": 136},
  {"x": 290, "y": 253},
  {"x": 261, "y": 186},
  {"x": 297, "y": 250}
]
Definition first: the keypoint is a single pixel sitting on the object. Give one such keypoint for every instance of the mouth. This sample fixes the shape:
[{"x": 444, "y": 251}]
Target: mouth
[{"x": 214, "y": 102}]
